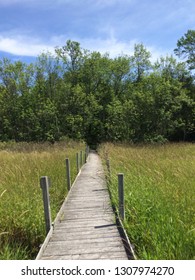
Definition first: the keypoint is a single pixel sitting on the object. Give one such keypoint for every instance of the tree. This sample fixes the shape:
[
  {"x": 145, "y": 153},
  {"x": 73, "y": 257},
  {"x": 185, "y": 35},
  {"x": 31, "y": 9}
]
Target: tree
[
  {"x": 72, "y": 112},
  {"x": 71, "y": 52},
  {"x": 48, "y": 74},
  {"x": 140, "y": 61},
  {"x": 120, "y": 68},
  {"x": 90, "y": 96},
  {"x": 93, "y": 72},
  {"x": 169, "y": 68},
  {"x": 71, "y": 55},
  {"x": 15, "y": 79},
  {"x": 186, "y": 48}
]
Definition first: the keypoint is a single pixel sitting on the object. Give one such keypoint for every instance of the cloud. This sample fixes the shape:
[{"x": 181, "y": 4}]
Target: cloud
[
  {"x": 29, "y": 46},
  {"x": 24, "y": 46},
  {"x": 112, "y": 46},
  {"x": 157, "y": 52},
  {"x": 115, "y": 47}
]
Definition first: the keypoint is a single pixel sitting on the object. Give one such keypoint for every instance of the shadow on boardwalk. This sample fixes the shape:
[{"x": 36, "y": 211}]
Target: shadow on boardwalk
[{"x": 85, "y": 227}]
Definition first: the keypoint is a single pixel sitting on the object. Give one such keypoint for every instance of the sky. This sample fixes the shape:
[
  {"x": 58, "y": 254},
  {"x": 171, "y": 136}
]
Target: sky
[{"x": 30, "y": 27}]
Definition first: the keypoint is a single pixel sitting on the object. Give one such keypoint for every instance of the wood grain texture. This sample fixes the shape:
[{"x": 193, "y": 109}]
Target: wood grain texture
[{"x": 85, "y": 227}]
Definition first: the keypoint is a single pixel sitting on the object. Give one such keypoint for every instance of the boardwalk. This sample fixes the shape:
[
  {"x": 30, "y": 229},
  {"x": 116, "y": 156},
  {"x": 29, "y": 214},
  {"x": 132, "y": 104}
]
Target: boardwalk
[{"x": 85, "y": 227}]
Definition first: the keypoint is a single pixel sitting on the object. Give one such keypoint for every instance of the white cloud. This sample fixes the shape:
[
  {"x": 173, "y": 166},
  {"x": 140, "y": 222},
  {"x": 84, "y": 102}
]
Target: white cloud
[
  {"x": 116, "y": 47},
  {"x": 24, "y": 46},
  {"x": 28, "y": 46},
  {"x": 110, "y": 45},
  {"x": 156, "y": 53}
]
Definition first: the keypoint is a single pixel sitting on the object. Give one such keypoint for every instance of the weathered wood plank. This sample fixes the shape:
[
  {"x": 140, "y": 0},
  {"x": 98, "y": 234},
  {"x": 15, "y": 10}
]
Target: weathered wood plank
[
  {"x": 95, "y": 256},
  {"x": 86, "y": 231},
  {"x": 84, "y": 237},
  {"x": 80, "y": 244},
  {"x": 82, "y": 216},
  {"x": 63, "y": 250},
  {"x": 85, "y": 227}
]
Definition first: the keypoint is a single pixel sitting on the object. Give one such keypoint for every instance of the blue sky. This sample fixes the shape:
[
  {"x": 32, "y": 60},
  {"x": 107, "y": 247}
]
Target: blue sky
[{"x": 29, "y": 27}]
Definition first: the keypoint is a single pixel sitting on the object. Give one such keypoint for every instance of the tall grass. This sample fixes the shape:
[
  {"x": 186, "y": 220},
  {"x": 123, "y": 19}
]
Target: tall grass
[
  {"x": 22, "y": 227},
  {"x": 159, "y": 197}
]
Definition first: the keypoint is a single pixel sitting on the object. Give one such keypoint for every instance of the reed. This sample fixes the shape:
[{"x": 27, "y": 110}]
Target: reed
[
  {"x": 159, "y": 197},
  {"x": 22, "y": 227}
]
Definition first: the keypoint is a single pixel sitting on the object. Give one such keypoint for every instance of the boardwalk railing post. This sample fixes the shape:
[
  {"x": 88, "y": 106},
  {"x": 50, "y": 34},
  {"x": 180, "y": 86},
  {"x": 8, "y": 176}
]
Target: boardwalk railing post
[
  {"x": 121, "y": 195},
  {"x": 45, "y": 184},
  {"x": 78, "y": 166},
  {"x": 81, "y": 158},
  {"x": 68, "y": 173},
  {"x": 109, "y": 171},
  {"x": 86, "y": 153}
]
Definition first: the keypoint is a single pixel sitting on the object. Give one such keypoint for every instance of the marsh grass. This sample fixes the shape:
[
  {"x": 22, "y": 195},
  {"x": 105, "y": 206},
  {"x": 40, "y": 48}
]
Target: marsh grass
[
  {"x": 22, "y": 227},
  {"x": 159, "y": 197}
]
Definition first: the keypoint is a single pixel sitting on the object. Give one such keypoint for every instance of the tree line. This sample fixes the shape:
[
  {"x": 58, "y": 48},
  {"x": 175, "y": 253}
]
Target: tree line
[{"x": 87, "y": 95}]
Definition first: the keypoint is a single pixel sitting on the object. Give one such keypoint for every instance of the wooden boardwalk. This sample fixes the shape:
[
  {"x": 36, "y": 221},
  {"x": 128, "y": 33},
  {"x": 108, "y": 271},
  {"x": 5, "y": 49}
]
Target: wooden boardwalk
[{"x": 85, "y": 227}]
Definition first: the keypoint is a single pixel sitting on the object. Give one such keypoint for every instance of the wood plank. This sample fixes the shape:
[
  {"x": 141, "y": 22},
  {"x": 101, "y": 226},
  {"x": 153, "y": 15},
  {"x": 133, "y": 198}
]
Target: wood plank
[
  {"x": 59, "y": 250},
  {"x": 74, "y": 231},
  {"x": 61, "y": 236},
  {"x": 79, "y": 244},
  {"x": 85, "y": 227},
  {"x": 95, "y": 256}
]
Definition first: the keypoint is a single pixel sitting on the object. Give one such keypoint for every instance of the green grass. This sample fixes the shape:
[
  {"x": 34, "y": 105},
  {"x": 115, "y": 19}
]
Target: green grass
[
  {"x": 159, "y": 197},
  {"x": 22, "y": 227}
]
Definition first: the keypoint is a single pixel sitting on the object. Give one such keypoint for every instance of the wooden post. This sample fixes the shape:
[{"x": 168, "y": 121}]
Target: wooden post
[
  {"x": 86, "y": 153},
  {"x": 108, "y": 167},
  {"x": 108, "y": 176},
  {"x": 68, "y": 173},
  {"x": 121, "y": 195},
  {"x": 78, "y": 166},
  {"x": 81, "y": 158},
  {"x": 45, "y": 184}
]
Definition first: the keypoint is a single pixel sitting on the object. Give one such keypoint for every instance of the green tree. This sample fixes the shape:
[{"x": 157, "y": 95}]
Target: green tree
[
  {"x": 16, "y": 77},
  {"x": 73, "y": 113},
  {"x": 16, "y": 81},
  {"x": 140, "y": 62},
  {"x": 120, "y": 68},
  {"x": 169, "y": 68},
  {"x": 90, "y": 96},
  {"x": 72, "y": 55},
  {"x": 96, "y": 81},
  {"x": 48, "y": 74},
  {"x": 48, "y": 121},
  {"x": 120, "y": 120},
  {"x": 186, "y": 48}
]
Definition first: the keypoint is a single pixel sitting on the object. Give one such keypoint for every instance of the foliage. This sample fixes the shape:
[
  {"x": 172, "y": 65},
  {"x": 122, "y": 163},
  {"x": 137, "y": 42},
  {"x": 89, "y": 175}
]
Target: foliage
[
  {"x": 90, "y": 96},
  {"x": 186, "y": 48}
]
